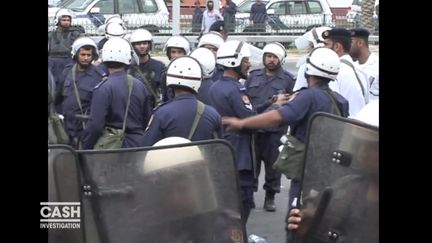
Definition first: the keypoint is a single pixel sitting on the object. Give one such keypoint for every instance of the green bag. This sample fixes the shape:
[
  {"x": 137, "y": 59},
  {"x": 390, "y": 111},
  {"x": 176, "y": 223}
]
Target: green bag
[
  {"x": 111, "y": 138},
  {"x": 291, "y": 159},
  {"x": 56, "y": 130}
]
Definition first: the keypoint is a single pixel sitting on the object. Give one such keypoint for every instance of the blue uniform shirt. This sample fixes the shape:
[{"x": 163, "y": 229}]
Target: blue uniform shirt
[
  {"x": 228, "y": 97},
  {"x": 218, "y": 73},
  {"x": 204, "y": 89},
  {"x": 85, "y": 82},
  {"x": 175, "y": 118},
  {"x": 261, "y": 88},
  {"x": 308, "y": 102},
  {"x": 153, "y": 70},
  {"x": 258, "y": 13},
  {"x": 108, "y": 107}
]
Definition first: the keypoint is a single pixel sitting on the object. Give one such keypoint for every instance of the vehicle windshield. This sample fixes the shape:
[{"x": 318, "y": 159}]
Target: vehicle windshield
[
  {"x": 245, "y": 6},
  {"x": 76, "y": 5}
]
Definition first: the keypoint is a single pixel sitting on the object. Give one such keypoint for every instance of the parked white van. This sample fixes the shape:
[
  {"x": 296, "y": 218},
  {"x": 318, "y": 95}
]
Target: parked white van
[{"x": 90, "y": 14}]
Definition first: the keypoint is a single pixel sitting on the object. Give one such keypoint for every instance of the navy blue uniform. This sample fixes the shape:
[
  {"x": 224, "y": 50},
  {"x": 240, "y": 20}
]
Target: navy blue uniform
[
  {"x": 152, "y": 71},
  {"x": 260, "y": 89},
  {"x": 85, "y": 82},
  {"x": 204, "y": 89},
  {"x": 59, "y": 52},
  {"x": 298, "y": 112},
  {"x": 109, "y": 105},
  {"x": 258, "y": 15},
  {"x": 228, "y": 97},
  {"x": 175, "y": 118},
  {"x": 218, "y": 73}
]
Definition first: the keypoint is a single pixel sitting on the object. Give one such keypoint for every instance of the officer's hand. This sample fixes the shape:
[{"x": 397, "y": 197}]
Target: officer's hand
[
  {"x": 232, "y": 123},
  {"x": 300, "y": 220}
]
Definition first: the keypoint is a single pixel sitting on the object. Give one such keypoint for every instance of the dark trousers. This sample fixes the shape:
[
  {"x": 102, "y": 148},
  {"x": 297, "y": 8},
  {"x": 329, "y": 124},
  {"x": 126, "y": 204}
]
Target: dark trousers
[
  {"x": 266, "y": 150},
  {"x": 246, "y": 186}
]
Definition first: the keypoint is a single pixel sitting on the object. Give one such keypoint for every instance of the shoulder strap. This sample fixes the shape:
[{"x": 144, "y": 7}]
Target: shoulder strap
[
  {"x": 147, "y": 84},
  {"x": 199, "y": 112},
  {"x": 333, "y": 100},
  {"x": 130, "y": 86},
  {"x": 355, "y": 72}
]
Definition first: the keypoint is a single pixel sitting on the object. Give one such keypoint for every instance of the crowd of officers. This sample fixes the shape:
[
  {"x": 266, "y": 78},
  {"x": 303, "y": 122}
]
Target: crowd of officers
[{"x": 90, "y": 87}]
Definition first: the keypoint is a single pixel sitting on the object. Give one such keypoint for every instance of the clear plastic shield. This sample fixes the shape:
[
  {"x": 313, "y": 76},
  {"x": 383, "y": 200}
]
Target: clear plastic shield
[
  {"x": 175, "y": 193},
  {"x": 340, "y": 195},
  {"x": 63, "y": 195}
]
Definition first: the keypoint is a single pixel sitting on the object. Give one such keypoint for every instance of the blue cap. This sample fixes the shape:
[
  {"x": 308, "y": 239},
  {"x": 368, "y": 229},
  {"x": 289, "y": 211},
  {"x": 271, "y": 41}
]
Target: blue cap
[
  {"x": 218, "y": 26},
  {"x": 359, "y": 32},
  {"x": 336, "y": 32}
]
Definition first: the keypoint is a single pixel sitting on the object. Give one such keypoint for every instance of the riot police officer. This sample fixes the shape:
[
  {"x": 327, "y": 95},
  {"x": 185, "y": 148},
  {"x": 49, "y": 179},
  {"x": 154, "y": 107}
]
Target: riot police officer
[
  {"x": 176, "y": 46},
  {"x": 212, "y": 41},
  {"x": 144, "y": 67},
  {"x": 322, "y": 68},
  {"x": 229, "y": 98},
  {"x": 110, "y": 98},
  {"x": 80, "y": 80},
  {"x": 60, "y": 45},
  {"x": 181, "y": 116},
  {"x": 262, "y": 84},
  {"x": 204, "y": 57}
]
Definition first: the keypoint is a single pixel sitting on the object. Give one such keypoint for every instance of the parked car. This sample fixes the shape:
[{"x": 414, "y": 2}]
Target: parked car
[
  {"x": 90, "y": 14},
  {"x": 354, "y": 14},
  {"x": 289, "y": 16}
]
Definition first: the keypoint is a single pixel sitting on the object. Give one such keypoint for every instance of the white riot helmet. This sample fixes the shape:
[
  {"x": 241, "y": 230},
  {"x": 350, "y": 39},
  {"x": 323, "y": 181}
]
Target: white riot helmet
[
  {"x": 114, "y": 19},
  {"x": 207, "y": 60},
  {"x": 114, "y": 30},
  {"x": 211, "y": 38},
  {"x": 231, "y": 53},
  {"x": 323, "y": 62},
  {"x": 178, "y": 42},
  {"x": 184, "y": 71},
  {"x": 313, "y": 36},
  {"x": 117, "y": 49},
  {"x": 276, "y": 49},
  {"x": 84, "y": 41},
  {"x": 141, "y": 35},
  {"x": 63, "y": 12}
]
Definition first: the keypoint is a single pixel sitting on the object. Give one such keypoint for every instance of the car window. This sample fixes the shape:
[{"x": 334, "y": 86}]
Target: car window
[
  {"x": 279, "y": 8},
  {"x": 315, "y": 7},
  {"x": 297, "y": 8},
  {"x": 149, "y": 6},
  {"x": 106, "y": 6},
  {"x": 128, "y": 6}
]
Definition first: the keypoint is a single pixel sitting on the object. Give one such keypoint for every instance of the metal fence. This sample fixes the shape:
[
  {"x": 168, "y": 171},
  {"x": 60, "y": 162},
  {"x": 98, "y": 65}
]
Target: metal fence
[{"x": 276, "y": 25}]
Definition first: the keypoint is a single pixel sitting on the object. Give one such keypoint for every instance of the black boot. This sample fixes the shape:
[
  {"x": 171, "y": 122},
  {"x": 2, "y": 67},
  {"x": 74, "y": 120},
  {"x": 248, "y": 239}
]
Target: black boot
[{"x": 269, "y": 204}]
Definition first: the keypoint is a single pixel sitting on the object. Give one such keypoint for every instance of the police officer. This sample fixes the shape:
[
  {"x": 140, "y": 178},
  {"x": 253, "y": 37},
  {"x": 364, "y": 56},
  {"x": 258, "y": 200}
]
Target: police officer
[
  {"x": 144, "y": 67},
  {"x": 349, "y": 83},
  {"x": 60, "y": 45},
  {"x": 261, "y": 85},
  {"x": 81, "y": 78},
  {"x": 322, "y": 67},
  {"x": 205, "y": 58},
  {"x": 212, "y": 41},
  {"x": 365, "y": 60},
  {"x": 229, "y": 98},
  {"x": 176, "y": 46},
  {"x": 110, "y": 97},
  {"x": 308, "y": 41},
  {"x": 219, "y": 27},
  {"x": 184, "y": 76}
]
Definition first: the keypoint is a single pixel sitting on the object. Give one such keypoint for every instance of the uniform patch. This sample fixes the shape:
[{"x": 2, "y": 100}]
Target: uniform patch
[{"x": 246, "y": 102}]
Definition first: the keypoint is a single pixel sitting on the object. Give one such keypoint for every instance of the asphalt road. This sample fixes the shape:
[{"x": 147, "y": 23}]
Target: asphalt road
[{"x": 269, "y": 225}]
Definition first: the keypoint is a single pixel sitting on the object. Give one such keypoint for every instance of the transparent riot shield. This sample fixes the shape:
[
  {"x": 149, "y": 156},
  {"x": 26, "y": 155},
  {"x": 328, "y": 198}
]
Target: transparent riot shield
[
  {"x": 61, "y": 215},
  {"x": 175, "y": 193},
  {"x": 339, "y": 201}
]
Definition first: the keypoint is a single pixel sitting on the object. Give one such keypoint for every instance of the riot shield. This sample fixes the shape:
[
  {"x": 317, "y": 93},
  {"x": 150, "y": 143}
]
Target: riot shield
[
  {"x": 175, "y": 193},
  {"x": 340, "y": 196},
  {"x": 63, "y": 195}
]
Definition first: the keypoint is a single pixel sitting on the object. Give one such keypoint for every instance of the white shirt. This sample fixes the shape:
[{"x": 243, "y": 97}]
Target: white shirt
[
  {"x": 209, "y": 18},
  {"x": 347, "y": 85},
  {"x": 371, "y": 68},
  {"x": 301, "y": 80},
  {"x": 370, "y": 113}
]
